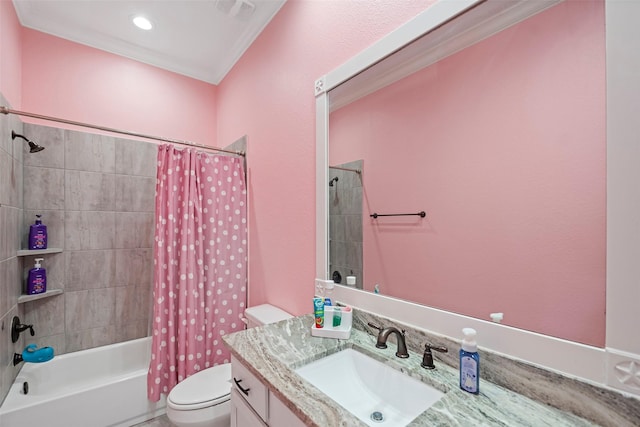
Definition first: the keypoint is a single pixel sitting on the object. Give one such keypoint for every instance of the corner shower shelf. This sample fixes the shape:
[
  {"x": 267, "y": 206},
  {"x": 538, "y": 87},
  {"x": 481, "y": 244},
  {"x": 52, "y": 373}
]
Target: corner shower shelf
[
  {"x": 29, "y": 252},
  {"x": 50, "y": 293}
]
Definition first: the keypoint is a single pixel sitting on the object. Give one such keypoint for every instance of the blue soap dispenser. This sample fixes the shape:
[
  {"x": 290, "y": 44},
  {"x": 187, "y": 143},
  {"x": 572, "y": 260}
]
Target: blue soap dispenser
[
  {"x": 38, "y": 235},
  {"x": 37, "y": 280},
  {"x": 469, "y": 362}
]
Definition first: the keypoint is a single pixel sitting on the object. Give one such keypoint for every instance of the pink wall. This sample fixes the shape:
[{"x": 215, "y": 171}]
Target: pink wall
[
  {"x": 10, "y": 63},
  {"x": 269, "y": 96},
  {"x": 514, "y": 191},
  {"x": 76, "y": 82}
]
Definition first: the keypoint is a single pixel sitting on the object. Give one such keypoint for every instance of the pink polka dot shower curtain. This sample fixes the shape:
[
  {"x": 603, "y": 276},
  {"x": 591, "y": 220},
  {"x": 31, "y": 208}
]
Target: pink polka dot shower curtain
[{"x": 200, "y": 261}]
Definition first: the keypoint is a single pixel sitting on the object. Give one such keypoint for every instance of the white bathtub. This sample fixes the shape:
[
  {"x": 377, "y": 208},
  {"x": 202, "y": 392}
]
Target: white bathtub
[{"x": 100, "y": 387}]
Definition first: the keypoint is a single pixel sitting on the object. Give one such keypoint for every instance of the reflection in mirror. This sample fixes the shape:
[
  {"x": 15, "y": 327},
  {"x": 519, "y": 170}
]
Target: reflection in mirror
[
  {"x": 503, "y": 145},
  {"x": 345, "y": 223}
]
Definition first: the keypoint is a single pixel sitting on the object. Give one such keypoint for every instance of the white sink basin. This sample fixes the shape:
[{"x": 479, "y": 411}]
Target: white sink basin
[{"x": 370, "y": 389}]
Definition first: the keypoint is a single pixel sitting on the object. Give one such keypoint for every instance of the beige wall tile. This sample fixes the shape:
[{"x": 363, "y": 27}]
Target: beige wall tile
[
  {"x": 52, "y": 139},
  {"x": 46, "y": 315},
  {"x": 90, "y": 338},
  {"x": 136, "y": 157},
  {"x": 89, "y": 269},
  {"x": 94, "y": 308},
  {"x": 89, "y": 230},
  {"x": 89, "y": 191},
  {"x": 134, "y": 267},
  {"x": 43, "y": 188},
  {"x": 135, "y": 193},
  {"x": 53, "y": 219},
  {"x": 134, "y": 230},
  {"x": 89, "y": 152}
]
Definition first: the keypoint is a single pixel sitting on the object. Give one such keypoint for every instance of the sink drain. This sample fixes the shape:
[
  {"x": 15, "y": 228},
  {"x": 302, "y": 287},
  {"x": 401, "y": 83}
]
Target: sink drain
[{"x": 377, "y": 416}]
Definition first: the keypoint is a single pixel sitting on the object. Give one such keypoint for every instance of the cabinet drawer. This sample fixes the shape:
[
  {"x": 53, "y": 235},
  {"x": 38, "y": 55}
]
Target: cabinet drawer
[{"x": 250, "y": 388}]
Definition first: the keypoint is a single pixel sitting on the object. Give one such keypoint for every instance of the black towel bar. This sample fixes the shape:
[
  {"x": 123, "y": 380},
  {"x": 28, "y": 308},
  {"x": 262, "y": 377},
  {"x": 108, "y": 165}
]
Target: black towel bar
[{"x": 421, "y": 214}]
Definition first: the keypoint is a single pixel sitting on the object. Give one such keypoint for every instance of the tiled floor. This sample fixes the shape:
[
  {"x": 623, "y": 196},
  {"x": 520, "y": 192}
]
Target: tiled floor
[{"x": 161, "y": 421}]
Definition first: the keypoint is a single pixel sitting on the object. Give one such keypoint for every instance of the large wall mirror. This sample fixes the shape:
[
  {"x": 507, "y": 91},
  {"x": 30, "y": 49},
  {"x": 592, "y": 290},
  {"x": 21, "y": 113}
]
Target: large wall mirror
[{"x": 498, "y": 134}]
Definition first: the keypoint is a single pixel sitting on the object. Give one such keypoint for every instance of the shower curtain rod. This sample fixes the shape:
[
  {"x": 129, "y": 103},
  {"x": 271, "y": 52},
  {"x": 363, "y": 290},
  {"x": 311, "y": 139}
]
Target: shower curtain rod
[{"x": 5, "y": 110}]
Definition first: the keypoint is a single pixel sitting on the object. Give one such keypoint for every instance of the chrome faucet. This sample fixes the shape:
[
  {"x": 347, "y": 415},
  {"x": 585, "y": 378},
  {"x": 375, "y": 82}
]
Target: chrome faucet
[{"x": 383, "y": 334}]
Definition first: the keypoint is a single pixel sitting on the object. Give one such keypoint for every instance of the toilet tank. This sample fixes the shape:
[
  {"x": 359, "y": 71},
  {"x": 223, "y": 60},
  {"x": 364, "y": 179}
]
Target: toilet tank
[{"x": 264, "y": 314}]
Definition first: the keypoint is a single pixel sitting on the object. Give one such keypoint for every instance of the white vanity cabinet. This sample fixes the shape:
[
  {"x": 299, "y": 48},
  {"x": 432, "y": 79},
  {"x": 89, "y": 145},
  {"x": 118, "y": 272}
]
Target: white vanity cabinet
[
  {"x": 242, "y": 415},
  {"x": 253, "y": 405}
]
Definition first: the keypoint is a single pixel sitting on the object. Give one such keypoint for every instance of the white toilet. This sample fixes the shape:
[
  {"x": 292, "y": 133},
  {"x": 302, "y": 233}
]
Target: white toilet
[{"x": 203, "y": 399}]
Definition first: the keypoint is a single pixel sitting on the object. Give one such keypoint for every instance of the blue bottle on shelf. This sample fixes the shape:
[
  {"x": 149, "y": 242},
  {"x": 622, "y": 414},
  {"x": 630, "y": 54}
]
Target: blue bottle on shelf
[
  {"x": 38, "y": 235},
  {"x": 37, "y": 279}
]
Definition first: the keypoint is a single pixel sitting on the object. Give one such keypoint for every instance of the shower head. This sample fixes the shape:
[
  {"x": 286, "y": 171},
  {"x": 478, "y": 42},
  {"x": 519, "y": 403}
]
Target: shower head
[
  {"x": 332, "y": 181},
  {"x": 33, "y": 147}
]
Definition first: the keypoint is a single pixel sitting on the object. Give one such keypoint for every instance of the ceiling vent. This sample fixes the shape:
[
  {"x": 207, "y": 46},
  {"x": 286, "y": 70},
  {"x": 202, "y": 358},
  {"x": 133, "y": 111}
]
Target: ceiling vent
[
  {"x": 241, "y": 9},
  {"x": 225, "y": 6}
]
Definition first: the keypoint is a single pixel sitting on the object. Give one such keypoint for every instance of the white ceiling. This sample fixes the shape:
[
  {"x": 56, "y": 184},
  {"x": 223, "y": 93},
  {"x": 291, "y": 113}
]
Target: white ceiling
[{"x": 201, "y": 39}]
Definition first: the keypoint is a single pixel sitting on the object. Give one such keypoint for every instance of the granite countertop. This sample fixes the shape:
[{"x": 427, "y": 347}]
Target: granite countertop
[{"x": 273, "y": 352}]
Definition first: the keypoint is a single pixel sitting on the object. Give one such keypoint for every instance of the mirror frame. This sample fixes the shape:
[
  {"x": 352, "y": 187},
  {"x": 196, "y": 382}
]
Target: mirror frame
[{"x": 622, "y": 349}]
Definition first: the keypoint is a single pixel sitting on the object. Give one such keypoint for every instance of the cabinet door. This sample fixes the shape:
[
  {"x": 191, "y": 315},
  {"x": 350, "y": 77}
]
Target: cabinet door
[
  {"x": 280, "y": 415},
  {"x": 241, "y": 413}
]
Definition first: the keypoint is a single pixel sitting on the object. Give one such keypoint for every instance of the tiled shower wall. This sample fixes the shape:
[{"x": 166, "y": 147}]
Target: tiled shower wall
[
  {"x": 345, "y": 223},
  {"x": 96, "y": 195},
  {"x": 11, "y": 156}
]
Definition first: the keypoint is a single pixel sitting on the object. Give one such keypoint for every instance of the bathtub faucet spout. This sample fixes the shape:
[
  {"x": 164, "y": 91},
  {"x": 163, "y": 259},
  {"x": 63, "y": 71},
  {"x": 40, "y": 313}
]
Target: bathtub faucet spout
[{"x": 32, "y": 354}]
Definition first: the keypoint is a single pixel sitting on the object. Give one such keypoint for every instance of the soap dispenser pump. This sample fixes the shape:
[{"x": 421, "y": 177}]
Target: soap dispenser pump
[
  {"x": 37, "y": 280},
  {"x": 38, "y": 235}
]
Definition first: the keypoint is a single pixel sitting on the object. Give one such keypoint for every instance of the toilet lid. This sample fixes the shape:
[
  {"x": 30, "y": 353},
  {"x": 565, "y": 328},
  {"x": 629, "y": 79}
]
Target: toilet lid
[{"x": 205, "y": 388}]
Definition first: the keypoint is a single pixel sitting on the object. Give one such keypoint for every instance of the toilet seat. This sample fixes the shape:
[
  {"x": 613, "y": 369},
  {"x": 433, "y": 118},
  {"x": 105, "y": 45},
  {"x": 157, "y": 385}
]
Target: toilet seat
[{"x": 209, "y": 387}]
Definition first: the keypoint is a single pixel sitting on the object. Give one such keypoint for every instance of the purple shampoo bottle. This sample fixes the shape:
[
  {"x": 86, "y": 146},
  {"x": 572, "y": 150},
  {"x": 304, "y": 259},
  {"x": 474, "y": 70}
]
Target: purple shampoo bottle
[
  {"x": 38, "y": 235},
  {"x": 37, "y": 280}
]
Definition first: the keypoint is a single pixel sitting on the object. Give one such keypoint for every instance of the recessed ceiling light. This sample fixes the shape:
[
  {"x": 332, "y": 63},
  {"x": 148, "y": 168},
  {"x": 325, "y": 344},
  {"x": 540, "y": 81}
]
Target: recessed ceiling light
[{"x": 142, "y": 22}]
